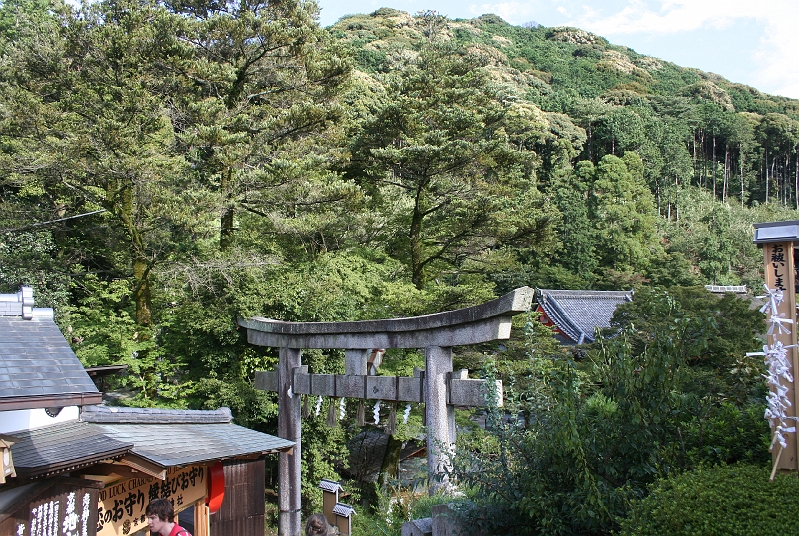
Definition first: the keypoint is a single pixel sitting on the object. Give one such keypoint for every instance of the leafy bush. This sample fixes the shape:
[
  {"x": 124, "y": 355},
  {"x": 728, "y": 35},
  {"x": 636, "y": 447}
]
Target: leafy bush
[
  {"x": 395, "y": 507},
  {"x": 730, "y": 500},
  {"x": 728, "y": 435}
]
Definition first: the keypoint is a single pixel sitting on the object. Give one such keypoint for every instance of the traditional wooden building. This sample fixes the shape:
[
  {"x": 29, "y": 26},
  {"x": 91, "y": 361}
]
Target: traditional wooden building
[
  {"x": 80, "y": 468},
  {"x": 575, "y": 314}
]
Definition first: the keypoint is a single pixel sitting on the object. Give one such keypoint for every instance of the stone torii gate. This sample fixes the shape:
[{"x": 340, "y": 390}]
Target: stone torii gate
[{"x": 437, "y": 387}]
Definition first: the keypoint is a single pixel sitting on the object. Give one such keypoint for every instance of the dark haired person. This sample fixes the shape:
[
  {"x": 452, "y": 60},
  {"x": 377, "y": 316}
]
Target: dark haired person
[
  {"x": 317, "y": 525},
  {"x": 161, "y": 519}
]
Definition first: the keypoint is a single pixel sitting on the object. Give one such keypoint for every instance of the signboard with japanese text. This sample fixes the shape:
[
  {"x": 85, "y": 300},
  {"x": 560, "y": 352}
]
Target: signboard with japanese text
[
  {"x": 59, "y": 511},
  {"x": 780, "y": 276},
  {"x": 122, "y": 505}
]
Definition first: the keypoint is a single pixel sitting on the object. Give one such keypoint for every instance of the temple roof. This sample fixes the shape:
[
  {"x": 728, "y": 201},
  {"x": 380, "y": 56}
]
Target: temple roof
[
  {"x": 63, "y": 447},
  {"x": 181, "y": 437},
  {"x": 576, "y": 313},
  {"x": 166, "y": 438},
  {"x": 38, "y": 369}
]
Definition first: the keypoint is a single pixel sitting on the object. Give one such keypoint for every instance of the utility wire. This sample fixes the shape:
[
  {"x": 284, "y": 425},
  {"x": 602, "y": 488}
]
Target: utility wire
[{"x": 41, "y": 224}]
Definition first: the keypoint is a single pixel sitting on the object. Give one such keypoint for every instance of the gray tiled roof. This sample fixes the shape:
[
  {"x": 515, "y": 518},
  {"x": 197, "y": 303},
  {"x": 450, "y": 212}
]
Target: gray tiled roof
[
  {"x": 38, "y": 368},
  {"x": 74, "y": 444},
  {"x": 182, "y": 444},
  {"x": 577, "y": 312},
  {"x": 120, "y": 415},
  {"x": 343, "y": 510},
  {"x": 330, "y": 485},
  {"x": 62, "y": 446}
]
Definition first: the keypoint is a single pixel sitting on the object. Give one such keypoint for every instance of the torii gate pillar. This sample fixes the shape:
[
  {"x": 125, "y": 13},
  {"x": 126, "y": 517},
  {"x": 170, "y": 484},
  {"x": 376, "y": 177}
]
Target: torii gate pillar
[
  {"x": 438, "y": 388},
  {"x": 289, "y": 464},
  {"x": 440, "y": 416}
]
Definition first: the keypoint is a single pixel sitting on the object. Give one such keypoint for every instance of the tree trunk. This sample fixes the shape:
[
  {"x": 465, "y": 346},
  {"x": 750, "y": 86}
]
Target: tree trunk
[
  {"x": 713, "y": 170},
  {"x": 391, "y": 459},
  {"x": 741, "y": 167},
  {"x": 703, "y": 173},
  {"x": 726, "y": 172},
  {"x": 226, "y": 221},
  {"x": 694, "y": 142},
  {"x": 416, "y": 240},
  {"x": 226, "y": 229},
  {"x": 785, "y": 170},
  {"x": 767, "y": 181}
]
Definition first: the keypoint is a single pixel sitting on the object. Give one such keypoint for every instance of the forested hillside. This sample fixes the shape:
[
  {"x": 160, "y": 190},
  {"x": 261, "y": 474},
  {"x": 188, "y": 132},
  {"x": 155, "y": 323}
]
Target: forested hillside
[{"x": 168, "y": 167}]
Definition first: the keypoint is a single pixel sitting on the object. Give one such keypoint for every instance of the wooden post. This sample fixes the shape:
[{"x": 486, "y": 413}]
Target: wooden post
[
  {"x": 289, "y": 426},
  {"x": 202, "y": 519},
  {"x": 330, "y": 490},
  {"x": 779, "y": 261},
  {"x": 343, "y": 513}
]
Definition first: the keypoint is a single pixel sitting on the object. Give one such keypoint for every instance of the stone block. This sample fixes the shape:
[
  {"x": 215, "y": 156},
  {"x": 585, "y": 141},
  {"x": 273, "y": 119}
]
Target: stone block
[
  {"x": 323, "y": 384},
  {"x": 350, "y": 386},
  {"x": 381, "y": 388},
  {"x": 302, "y": 381},
  {"x": 418, "y": 527},
  {"x": 471, "y": 393},
  {"x": 266, "y": 380},
  {"x": 410, "y": 389}
]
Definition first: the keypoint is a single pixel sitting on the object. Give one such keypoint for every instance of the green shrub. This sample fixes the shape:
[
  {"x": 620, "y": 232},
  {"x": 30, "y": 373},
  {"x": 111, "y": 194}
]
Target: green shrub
[{"x": 724, "y": 500}]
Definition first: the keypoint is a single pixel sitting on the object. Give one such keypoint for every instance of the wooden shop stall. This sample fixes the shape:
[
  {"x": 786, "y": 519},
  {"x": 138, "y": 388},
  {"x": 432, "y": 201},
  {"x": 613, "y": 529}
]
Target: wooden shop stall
[{"x": 70, "y": 466}]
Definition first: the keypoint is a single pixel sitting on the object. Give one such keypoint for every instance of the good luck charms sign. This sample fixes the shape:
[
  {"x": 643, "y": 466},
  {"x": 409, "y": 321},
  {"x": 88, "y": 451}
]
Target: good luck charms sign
[{"x": 122, "y": 505}]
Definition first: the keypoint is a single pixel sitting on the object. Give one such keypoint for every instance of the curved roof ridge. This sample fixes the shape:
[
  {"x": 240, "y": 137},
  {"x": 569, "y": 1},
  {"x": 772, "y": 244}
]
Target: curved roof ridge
[
  {"x": 561, "y": 319},
  {"x": 125, "y": 415},
  {"x": 577, "y": 313}
]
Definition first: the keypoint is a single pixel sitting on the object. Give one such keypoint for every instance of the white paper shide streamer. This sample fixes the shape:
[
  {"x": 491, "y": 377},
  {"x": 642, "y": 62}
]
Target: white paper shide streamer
[
  {"x": 318, "y": 406},
  {"x": 778, "y": 371}
]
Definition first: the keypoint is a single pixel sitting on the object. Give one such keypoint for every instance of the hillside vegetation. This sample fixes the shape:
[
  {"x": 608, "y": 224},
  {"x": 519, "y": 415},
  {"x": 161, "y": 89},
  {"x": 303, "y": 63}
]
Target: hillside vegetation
[{"x": 168, "y": 167}]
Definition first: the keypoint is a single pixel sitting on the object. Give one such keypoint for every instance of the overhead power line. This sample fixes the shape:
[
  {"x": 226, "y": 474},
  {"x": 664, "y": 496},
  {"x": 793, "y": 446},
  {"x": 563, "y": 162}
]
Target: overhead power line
[{"x": 42, "y": 224}]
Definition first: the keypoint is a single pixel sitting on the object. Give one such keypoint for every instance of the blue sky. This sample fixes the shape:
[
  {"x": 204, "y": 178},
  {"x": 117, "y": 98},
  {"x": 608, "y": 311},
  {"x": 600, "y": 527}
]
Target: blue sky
[{"x": 746, "y": 41}]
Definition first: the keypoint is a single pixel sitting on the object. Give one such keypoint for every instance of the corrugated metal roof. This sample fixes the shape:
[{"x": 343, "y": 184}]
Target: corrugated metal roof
[
  {"x": 577, "y": 312},
  {"x": 62, "y": 446},
  {"x": 183, "y": 444},
  {"x": 36, "y": 362}
]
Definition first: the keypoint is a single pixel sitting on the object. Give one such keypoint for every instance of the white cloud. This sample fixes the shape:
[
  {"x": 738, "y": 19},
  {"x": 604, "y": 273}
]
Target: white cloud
[
  {"x": 509, "y": 11},
  {"x": 779, "y": 54},
  {"x": 779, "y": 44},
  {"x": 679, "y": 15},
  {"x": 776, "y": 57}
]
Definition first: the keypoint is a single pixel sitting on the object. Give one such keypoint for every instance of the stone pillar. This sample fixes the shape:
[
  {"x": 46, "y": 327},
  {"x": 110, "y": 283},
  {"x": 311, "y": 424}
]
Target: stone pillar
[
  {"x": 289, "y": 426},
  {"x": 440, "y": 416},
  {"x": 355, "y": 362}
]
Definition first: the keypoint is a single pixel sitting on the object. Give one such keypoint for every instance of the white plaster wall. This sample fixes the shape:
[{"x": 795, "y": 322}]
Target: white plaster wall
[{"x": 28, "y": 419}]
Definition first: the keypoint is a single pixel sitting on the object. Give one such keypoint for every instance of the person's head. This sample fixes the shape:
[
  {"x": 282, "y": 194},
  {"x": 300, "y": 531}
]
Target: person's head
[
  {"x": 159, "y": 512},
  {"x": 317, "y": 525}
]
